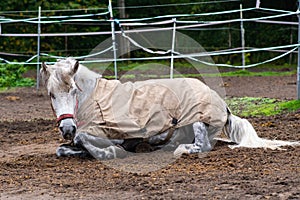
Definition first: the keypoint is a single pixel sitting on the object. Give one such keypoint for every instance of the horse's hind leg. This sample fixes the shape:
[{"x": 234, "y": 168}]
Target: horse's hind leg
[{"x": 201, "y": 144}]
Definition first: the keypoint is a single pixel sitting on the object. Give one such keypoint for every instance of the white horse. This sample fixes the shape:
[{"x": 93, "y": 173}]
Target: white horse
[{"x": 90, "y": 112}]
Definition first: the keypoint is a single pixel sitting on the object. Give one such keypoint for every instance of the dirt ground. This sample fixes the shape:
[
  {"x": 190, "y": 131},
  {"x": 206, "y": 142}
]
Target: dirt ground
[{"x": 31, "y": 170}]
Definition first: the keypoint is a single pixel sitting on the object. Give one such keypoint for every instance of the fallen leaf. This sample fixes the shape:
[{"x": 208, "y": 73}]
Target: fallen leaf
[{"x": 12, "y": 98}]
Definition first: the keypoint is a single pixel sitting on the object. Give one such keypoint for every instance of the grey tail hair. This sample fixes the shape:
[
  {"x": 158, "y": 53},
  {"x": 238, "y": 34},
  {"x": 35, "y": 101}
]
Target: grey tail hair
[{"x": 241, "y": 132}]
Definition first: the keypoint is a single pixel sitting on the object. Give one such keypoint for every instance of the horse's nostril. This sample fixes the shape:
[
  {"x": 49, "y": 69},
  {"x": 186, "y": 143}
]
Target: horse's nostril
[
  {"x": 74, "y": 130},
  {"x": 67, "y": 136}
]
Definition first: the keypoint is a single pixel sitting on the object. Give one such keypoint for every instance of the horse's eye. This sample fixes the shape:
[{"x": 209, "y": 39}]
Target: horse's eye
[{"x": 52, "y": 95}]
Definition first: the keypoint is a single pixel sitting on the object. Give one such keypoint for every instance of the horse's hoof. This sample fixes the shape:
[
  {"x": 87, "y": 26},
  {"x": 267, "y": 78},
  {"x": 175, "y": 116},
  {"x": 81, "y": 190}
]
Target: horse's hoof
[{"x": 181, "y": 149}]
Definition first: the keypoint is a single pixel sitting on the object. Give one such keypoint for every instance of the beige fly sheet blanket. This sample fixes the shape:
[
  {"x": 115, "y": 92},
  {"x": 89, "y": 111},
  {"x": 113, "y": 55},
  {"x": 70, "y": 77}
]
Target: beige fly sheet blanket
[{"x": 143, "y": 109}]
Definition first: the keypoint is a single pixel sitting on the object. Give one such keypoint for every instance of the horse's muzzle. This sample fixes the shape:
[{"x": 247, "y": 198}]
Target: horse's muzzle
[
  {"x": 68, "y": 132},
  {"x": 68, "y": 129}
]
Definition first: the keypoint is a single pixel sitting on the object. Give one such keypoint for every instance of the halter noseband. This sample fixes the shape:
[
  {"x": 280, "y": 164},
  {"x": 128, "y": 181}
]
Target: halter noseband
[{"x": 64, "y": 116}]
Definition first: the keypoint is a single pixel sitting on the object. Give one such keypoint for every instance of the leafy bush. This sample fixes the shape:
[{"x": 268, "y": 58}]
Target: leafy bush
[{"x": 11, "y": 76}]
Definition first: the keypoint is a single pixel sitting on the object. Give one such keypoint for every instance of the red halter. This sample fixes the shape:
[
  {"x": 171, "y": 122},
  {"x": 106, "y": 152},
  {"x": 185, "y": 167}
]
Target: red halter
[{"x": 64, "y": 116}]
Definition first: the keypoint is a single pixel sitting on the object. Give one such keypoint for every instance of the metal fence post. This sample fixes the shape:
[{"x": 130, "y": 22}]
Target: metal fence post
[
  {"x": 298, "y": 67},
  {"x": 173, "y": 47},
  {"x": 242, "y": 37},
  {"x": 38, "y": 50},
  {"x": 113, "y": 37}
]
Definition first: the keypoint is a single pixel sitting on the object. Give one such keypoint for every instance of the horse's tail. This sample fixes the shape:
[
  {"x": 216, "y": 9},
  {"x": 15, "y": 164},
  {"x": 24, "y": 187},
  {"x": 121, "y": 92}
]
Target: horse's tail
[{"x": 240, "y": 131}]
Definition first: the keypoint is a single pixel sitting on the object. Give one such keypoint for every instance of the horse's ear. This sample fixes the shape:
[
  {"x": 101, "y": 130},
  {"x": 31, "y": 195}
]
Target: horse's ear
[
  {"x": 75, "y": 68},
  {"x": 44, "y": 67},
  {"x": 44, "y": 72}
]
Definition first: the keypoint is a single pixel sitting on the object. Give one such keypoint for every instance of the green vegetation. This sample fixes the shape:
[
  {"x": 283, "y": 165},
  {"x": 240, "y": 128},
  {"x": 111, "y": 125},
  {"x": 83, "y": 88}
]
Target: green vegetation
[
  {"x": 265, "y": 73},
  {"x": 250, "y": 106},
  {"x": 212, "y": 39},
  {"x": 265, "y": 70},
  {"x": 245, "y": 73},
  {"x": 11, "y": 76}
]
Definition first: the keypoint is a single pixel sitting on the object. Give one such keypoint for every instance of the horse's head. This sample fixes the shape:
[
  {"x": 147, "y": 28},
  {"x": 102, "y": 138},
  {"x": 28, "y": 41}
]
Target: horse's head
[{"x": 62, "y": 89}]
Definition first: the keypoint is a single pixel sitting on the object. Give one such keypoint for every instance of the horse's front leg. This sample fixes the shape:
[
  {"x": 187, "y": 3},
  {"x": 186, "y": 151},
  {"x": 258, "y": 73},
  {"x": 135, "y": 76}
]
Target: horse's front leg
[
  {"x": 86, "y": 145},
  {"x": 67, "y": 150},
  {"x": 201, "y": 144},
  {"x": 100, "y": 148}
]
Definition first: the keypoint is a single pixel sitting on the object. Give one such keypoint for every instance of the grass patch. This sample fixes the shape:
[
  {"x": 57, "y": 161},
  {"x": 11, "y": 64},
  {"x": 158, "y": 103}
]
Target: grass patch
[
  {"x": 248, "y": 73},
  {"x": 147, "y": 70},
  {"x": 148, "y": 67},
  {"x": 250, "y": 106},
  {"x": 243, "y": 73}
]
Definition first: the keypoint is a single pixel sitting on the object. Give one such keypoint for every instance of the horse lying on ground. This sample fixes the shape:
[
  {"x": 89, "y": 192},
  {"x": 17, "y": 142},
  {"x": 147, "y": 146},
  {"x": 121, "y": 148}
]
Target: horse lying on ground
[{"x": 106, "y": 118}]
